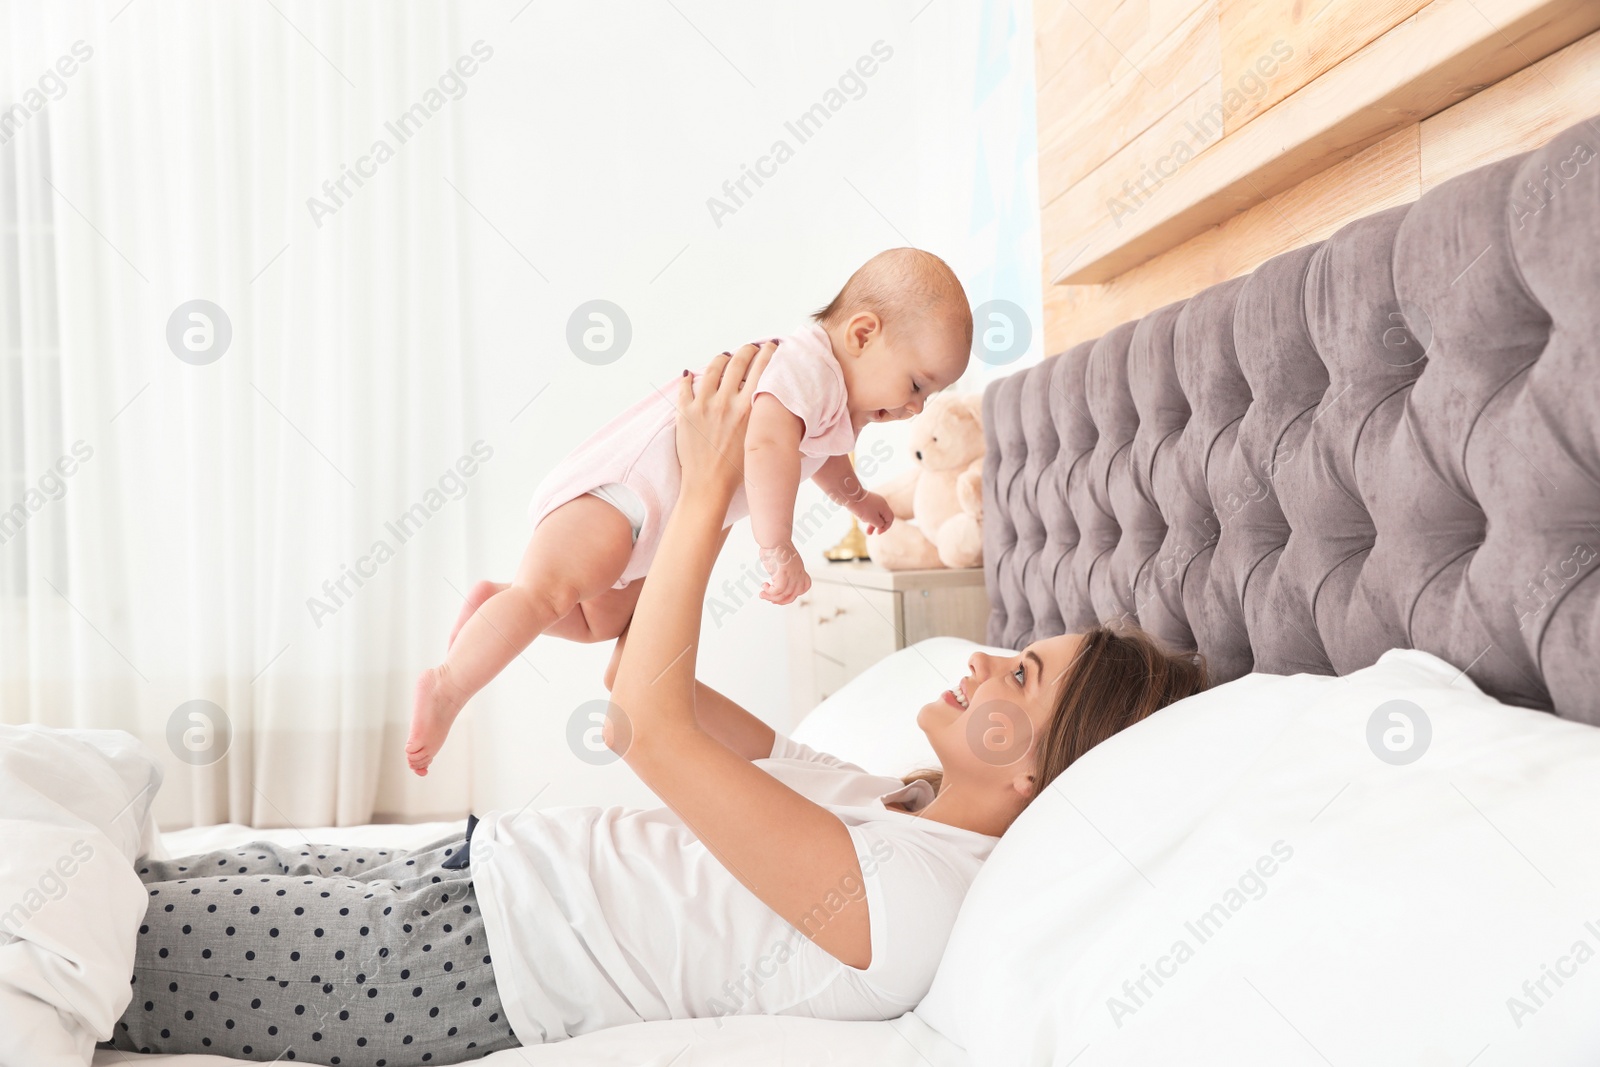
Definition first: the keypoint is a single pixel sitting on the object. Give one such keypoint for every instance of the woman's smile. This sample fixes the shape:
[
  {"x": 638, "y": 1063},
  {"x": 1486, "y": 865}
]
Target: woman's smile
[{"x": 957, "y": 697}]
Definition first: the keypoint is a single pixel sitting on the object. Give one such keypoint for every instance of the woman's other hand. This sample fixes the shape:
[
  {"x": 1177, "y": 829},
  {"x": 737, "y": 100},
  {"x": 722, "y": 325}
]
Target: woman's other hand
[{"x": 712, "y": 419}]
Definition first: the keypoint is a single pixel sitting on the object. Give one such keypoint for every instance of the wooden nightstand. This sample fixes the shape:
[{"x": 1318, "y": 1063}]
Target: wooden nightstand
[{"x": 857, "y": 613}]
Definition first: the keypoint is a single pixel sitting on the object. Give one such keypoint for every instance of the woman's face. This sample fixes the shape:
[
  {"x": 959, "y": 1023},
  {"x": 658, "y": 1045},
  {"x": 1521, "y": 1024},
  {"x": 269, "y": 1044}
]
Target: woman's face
[{"x": 986, "y": 726}]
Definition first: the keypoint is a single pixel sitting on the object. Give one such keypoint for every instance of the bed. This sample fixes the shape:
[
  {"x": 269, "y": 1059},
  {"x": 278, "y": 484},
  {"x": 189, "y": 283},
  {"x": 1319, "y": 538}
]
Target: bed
[
  {"x": 1364, "y": 481},
  {"x": 905, "y": 1042},
  {"x": 62, "y": 790},
  {"x": 864, "y": 723},
  {"x": 777, "y": 1040}
]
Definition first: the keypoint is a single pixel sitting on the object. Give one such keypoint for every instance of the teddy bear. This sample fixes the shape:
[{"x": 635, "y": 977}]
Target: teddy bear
[{"x": 943, "y": 493}]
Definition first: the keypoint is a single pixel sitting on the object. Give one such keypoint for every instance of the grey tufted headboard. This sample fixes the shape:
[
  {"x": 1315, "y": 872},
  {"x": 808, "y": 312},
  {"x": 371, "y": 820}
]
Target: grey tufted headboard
[{"x": 1387, "y": 439}]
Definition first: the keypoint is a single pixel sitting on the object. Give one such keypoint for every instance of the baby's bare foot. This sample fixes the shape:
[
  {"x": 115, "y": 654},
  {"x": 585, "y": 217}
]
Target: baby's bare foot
[
  {"x": 432, "y": 713},
  {"x": 475, "y": 598}
]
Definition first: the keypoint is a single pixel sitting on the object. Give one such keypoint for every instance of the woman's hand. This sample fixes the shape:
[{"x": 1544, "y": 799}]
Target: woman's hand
[{"x": 712, "y": 419}]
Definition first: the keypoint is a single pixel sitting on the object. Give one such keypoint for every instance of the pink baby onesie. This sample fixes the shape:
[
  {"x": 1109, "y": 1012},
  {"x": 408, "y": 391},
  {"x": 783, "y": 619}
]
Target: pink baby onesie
[{"x": 639, "y": 447}]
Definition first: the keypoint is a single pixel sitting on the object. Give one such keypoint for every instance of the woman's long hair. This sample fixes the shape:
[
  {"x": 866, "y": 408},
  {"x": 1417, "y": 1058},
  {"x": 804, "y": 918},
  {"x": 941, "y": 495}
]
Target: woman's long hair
[{"x": 1120, "y": 675}]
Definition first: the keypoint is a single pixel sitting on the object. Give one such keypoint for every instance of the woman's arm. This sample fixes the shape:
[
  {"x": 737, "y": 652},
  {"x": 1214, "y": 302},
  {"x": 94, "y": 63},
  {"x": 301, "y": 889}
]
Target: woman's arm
[
  {"x": 718, "y": 716},
  {"x": 793, "y": 854}
]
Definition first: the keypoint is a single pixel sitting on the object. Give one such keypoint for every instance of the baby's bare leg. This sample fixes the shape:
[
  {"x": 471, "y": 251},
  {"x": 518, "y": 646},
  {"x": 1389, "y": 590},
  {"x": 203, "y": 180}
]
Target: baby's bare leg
[
  {"x": 605, "y": 617},
  {"x": 475, "y": 598},
  {"x": 599, "y": 618},
  {"x": 578, "y": 552}
]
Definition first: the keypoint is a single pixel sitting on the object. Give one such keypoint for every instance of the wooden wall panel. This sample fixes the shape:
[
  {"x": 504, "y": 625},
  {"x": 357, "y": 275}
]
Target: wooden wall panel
[
  {"x": 1379, "y": 177},
  {"x": 1121, "y": 110},
  {"x": 1061, "y": 30},
  {"x": 1515, "y": 115},
  {"x": 1104, "y": 40},
  {"x": 1320, "y": 34},
  {"x": 1131, "y": 181},
  {"x": 1447, "y": 51},
  {"x": 1085, "y": 47}
]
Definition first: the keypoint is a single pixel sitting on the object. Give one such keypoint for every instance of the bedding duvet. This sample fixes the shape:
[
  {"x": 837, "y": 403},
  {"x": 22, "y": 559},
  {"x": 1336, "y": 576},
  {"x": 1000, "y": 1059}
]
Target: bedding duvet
[{"x": 74, "y": 815}]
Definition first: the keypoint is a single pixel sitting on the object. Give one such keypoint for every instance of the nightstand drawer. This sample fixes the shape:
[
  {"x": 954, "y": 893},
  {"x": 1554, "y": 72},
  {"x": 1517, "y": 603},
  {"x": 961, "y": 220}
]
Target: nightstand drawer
[
  {"x": 851, "y": 629},
  {"x": 855, "y": 614}
]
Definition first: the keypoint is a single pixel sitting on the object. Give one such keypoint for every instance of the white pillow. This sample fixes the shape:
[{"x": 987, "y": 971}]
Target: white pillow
[
  {"x": 1360, "y": 911},
  {"x": 872, "y": 720}
]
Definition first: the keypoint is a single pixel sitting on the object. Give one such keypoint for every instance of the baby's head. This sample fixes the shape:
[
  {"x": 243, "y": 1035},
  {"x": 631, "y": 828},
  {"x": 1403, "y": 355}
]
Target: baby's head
[{"x": 901, "y": 330}]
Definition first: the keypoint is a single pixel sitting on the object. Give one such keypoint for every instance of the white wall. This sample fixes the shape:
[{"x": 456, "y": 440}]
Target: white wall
[{"x": 590, "y": 144}]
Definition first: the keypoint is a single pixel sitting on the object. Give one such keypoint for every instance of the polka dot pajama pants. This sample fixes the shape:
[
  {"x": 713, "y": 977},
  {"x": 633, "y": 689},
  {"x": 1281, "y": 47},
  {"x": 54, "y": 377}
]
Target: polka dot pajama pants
[{"x": 319, "y": 954}]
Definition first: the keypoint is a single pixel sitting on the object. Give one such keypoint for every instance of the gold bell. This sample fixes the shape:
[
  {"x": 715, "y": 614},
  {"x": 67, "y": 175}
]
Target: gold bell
[{"x": 852, "y": 546}]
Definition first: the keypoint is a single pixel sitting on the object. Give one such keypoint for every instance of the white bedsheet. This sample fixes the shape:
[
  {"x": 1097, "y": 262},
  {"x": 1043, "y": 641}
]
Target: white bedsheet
[
  {"x": 741, "y": 1041},
  {"x": 779, "y": 1041}
]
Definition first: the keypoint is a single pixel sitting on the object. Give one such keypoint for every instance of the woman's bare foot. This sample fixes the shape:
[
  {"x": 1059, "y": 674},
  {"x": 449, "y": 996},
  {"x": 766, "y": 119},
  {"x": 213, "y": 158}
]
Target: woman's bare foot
[
  {"x": 431, "y": 716},
  {"x": 475, "y": 598}
]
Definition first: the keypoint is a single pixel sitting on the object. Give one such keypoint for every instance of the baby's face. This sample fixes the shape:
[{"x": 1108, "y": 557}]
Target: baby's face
[{"x": 895, "y": 374}]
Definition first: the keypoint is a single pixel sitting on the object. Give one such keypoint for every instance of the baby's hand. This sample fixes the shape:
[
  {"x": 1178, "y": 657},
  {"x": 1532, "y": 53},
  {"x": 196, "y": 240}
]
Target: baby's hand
[
  {"x": 873, "y": 510},
  {"x": 789, "y": 577}
]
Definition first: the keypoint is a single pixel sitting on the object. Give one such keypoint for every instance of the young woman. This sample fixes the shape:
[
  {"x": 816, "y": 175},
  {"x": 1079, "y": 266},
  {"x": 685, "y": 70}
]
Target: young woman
[{"x": 775, "y": 880}]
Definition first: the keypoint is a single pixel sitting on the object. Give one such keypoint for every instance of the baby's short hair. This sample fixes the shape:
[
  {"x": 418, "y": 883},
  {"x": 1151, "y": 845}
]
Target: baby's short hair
[{"x": 899, "y": 285}]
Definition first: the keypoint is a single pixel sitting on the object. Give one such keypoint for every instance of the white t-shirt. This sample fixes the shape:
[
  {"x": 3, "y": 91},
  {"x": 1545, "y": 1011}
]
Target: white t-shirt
[{"x": 599, "y": 917}]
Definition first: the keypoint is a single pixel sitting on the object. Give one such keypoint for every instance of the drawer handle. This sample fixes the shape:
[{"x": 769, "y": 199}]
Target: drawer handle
[{"x": 829, "y": 618}]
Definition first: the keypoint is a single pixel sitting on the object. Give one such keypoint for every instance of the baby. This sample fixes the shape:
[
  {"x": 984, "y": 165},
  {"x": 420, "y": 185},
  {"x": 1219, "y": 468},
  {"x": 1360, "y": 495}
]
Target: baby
[{"x": 898, "y": 332}]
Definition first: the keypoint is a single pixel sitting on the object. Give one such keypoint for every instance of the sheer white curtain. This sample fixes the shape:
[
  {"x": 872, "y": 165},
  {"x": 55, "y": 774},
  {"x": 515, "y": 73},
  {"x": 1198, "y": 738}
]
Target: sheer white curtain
[{"x": 180, "y": 525}]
